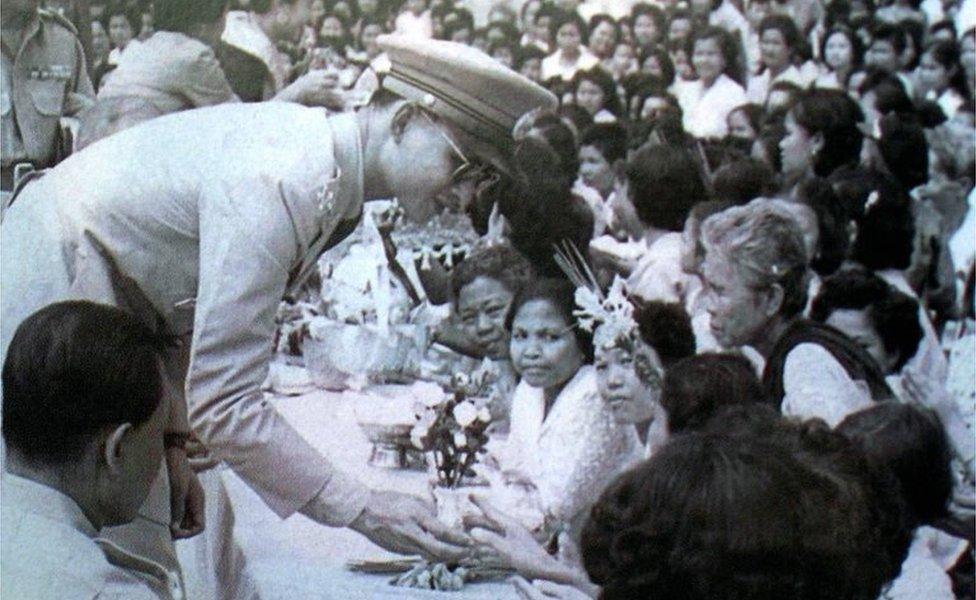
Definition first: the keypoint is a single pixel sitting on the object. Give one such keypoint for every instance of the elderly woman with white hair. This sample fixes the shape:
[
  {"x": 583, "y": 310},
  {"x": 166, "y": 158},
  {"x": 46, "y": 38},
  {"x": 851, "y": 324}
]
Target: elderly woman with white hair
[{"x": 756, "y": 276}]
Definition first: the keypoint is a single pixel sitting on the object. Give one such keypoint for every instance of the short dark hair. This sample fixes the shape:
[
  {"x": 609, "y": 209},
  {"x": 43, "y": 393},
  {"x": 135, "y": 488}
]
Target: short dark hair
[
  {"x": 524, "y": 54},
  {"x": 610, "y": 139},
  {"x": 947, "y": 54},
  {"x": 834, "y": 115},
  {"x": 696, "y": 387},
  {"x": 663, "y": 60},
  {"x": 666, "y": 327},
  {"x": 113, "y": 9},
  {"x": 743, "y": 180},
  {"x": 561, "y": 17},
  {"x": 598, "y": 76},
  {"x": 710, "y": 516},
  {"x": 889, "y": 92},
  {"x": 727, "y": 44},
  {"x": 893, "y": 313},
  {"x": 787, "y": 28},
  {"x": 560, "y": 294},
  {"x": 644, "y": 8},
  {"x": 181, "y": 15},
  {"x": 857, "y": 47},
  {"x": 499, "y": 262},
  {"x": 665, "y": 182},
  {"x": 73, "y": 368},
  {"x": 889, "y": 32},
  {"x": 910, "y": 442},
  {"x": 600, "y": 18},
  {"x": 905, "y": 149}
]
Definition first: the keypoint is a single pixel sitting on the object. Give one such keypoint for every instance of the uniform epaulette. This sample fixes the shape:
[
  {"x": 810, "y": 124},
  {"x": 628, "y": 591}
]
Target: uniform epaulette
[{"x": 50, "y": 15}]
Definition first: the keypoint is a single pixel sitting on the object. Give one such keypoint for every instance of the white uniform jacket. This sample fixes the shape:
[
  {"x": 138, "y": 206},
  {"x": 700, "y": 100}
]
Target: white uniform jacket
[{"x": 198, "y": 222}]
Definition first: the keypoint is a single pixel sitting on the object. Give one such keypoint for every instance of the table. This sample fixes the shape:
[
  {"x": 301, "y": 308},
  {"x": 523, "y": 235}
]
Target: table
[{"x": 298, "y": 558}]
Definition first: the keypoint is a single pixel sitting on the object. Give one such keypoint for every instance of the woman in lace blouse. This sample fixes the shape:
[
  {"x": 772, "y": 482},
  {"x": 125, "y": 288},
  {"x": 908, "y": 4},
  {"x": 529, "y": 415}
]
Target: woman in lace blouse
[
  {"x": 564, "y": 446},
  {"x": 755, "y": 276}
]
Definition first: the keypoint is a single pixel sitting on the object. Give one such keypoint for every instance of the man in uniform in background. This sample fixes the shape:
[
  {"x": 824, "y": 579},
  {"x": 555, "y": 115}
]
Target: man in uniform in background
[
  {"x": 44, "y": 79},
  {"x": 199, "y": 222}
]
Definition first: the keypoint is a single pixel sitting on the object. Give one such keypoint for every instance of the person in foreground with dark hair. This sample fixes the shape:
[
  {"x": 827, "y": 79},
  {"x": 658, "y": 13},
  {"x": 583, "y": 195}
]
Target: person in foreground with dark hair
[
  {"x": 83, "y": 415},
  {"x": 720, "y": 517},
  {"x": 698, "y": 386},
  {"x": 911, "y": 443}
]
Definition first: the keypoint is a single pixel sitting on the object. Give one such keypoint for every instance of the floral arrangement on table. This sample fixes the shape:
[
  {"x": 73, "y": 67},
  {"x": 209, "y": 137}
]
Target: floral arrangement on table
[
  {"x": 453, "y": 427},
  {"x": 447, "y": 238}
]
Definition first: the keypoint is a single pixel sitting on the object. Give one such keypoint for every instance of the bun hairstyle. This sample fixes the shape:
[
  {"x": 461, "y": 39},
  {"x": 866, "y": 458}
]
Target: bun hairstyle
[
  {"x": 546, "y": 149},
  {"x": 536, "y": 199}
]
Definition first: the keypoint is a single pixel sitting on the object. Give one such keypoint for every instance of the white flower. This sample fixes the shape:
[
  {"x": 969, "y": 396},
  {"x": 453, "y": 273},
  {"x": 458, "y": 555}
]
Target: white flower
[
  {"x": 484, "y": 415},
  {"x": 460, "y": 440},
  {"x": 465, "y": 413},
  {"x": 417, "y": 438}
]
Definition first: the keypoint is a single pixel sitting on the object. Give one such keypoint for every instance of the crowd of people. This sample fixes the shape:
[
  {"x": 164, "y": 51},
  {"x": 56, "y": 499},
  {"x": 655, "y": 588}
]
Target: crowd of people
[{"x": 725, "y": 259}]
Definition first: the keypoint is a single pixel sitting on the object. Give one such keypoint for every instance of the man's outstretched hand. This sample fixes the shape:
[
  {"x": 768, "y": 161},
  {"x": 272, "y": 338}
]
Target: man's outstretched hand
[{"x": 406, "y": 524}]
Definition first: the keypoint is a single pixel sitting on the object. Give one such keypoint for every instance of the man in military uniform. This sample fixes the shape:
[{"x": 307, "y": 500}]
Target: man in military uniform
[
  {"x": 44, "y": 79},
  {"x": 199, "y": 222}
]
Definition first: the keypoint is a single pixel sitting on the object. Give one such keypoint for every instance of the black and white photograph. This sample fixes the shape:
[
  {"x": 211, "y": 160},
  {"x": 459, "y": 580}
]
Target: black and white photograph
[{"x": 488, "y": 299}]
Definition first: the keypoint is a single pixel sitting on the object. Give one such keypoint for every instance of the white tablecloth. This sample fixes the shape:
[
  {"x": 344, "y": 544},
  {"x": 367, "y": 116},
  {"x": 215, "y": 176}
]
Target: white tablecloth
[{"x": 297, "y": 558}]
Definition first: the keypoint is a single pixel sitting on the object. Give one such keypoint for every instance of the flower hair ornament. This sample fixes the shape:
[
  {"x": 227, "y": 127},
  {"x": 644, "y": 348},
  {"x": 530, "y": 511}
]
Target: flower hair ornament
[{"x": 609, "y": 317}]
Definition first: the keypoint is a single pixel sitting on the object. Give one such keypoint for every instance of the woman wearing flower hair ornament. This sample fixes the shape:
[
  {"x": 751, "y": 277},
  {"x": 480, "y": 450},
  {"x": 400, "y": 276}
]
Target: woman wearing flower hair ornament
[{"x": 633, "y": 344}]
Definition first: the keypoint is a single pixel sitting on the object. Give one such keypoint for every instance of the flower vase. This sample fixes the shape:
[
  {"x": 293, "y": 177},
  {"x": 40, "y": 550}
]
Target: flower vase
[{"x": 453, "y": 503}]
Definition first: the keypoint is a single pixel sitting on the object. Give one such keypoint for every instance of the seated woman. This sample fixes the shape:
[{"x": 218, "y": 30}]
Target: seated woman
[
  {"x": 634, "y": 344},
  {"x": 632, "y": 355},
  {"x": 822, "y": 137},
  {"x": 911, "y": 443},
  {"x": 595, "y": 92},
  {"x": 875, "y": 315},
  {"x": 484, "y": 285},
  {"x": 886, "y": 243},
  {"x": 780, "y": 42},
  {"x": 707, "y": 102},
  {"x": 569, "y": 33},
  {"x": 755, "y": 277},
  {"x": 719, "y": 517},
  {"x": 564, "y": 445}
]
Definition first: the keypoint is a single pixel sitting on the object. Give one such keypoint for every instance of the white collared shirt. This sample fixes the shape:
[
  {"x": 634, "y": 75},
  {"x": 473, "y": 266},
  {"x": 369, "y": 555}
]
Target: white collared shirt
[
  {"x": 48, "y": 549},
  {"x": 705, "y": 110},
  {"x": 552, "y": 65}
]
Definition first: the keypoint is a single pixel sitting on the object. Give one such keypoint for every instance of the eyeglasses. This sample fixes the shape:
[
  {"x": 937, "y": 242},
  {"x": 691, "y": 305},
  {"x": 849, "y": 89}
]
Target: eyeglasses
[{"x": 468, "y": 169}]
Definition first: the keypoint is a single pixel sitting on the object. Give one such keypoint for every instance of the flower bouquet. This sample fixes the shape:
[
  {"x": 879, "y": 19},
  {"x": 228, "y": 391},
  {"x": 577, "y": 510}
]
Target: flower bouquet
[{"x": 452, "y": 430}]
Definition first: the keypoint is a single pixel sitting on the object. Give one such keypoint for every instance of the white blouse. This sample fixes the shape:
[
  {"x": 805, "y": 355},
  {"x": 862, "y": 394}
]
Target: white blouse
[
  {"x": 571, "y": 454},
  {"x": 552, "y": 65},
  {"x": 705, "y": 110},
  {"x": 815, "y": 385}
]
